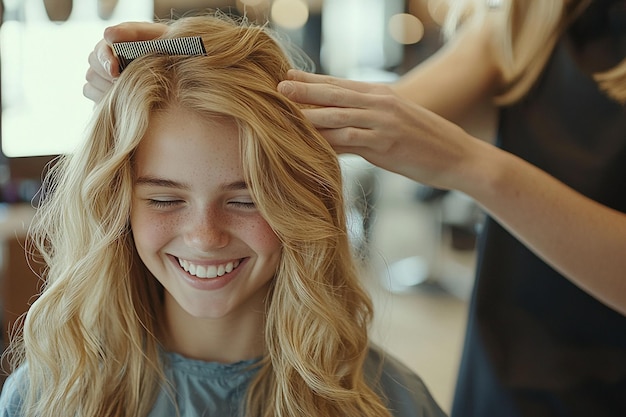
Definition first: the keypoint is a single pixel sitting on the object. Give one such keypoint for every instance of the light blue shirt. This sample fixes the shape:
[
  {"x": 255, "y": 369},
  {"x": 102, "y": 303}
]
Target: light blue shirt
[{"x": 213, "y": 389}]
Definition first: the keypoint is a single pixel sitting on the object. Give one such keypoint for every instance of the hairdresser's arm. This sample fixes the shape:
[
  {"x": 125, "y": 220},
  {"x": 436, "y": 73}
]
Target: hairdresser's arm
[
  {"x": 583, "y": 239},
  {"x": 103, "y": 66}
]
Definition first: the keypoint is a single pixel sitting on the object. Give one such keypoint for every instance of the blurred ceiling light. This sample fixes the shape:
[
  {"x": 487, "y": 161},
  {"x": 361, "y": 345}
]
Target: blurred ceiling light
[
  {"x": 290, "y": 14},
  {"x": 419, "y": 9},
  {"x": 438, "y": 10},
  {"x": 405, "y": 28}
]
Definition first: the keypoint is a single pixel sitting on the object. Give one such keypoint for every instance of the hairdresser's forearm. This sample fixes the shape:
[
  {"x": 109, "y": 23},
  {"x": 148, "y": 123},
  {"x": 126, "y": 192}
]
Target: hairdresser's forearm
[{"x": 579, "y": 237}]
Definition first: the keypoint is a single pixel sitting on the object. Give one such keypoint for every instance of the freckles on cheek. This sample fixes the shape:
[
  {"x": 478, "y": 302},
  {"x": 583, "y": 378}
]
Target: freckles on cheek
[
  {"x": 150, "y": 229},
  {"x": 264, "y": 235}
]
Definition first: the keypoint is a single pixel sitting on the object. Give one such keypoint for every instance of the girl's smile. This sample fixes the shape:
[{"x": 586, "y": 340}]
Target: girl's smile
[
  {"x": 205, "y": 275},
  {"x": 199, "y": 270}
]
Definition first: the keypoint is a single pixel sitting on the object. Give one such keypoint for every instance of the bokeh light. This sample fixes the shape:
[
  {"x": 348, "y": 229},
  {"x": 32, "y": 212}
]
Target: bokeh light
[
  {"x": 290, "y": 14},
  {"x": 406, "y": 29},
  {"x": 438, "y": 10}
]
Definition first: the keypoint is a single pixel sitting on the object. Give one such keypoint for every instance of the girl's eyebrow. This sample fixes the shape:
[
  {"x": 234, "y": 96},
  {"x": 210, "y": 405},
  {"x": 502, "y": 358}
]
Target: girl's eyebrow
[
  {"x": 160, "y": 182},
  {"x": 166, "y": 183},
  {"x": 235, "y": 186}
]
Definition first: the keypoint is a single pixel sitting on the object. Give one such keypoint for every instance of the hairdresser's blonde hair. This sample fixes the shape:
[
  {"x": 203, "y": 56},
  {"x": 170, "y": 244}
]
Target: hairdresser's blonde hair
[
  {"x": 91, "y": 341},
  {"x": 524, "y": 35}
]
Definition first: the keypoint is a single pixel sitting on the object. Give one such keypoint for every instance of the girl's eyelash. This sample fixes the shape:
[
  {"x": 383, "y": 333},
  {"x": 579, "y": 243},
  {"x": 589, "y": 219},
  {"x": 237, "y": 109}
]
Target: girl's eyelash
[
  {"x": 170, "y": 203},
  {"x": 242, "y": 204},
  {"x": 163, "y": 203}
]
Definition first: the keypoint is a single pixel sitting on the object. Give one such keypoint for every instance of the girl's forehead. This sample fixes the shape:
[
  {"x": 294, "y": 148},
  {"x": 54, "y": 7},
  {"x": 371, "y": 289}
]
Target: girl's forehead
[{"x": 182, "y": 144}]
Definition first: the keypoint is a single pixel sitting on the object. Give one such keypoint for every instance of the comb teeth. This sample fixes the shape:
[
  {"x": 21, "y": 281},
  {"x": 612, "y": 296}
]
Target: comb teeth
[{"x": 126, "y": 52}]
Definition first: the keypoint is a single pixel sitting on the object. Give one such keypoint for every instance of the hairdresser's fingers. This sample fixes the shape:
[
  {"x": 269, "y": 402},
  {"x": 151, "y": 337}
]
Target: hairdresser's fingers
[
  {"x": 311, "y": 78},
  {"x": 332, "y": 95},
  {"x": 384, "y": 113},
  {"x": 92, "y": 93},
  {"x": 338, "y": 117},
  {"x": 103, "y": 65},
  {"x": 96, "y": 86},
  {"x": 348, "y": 139},
  {"x": 134, "y": 31},
  {"x": 363, "y": 142},
  {"x": 102, "y": 71},
  {"x": 97, "y": 81},
  {"x": 102, "y": 62}
]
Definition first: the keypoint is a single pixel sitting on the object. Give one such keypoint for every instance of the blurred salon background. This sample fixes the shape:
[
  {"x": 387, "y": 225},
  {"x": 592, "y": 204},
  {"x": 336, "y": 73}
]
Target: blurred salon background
[{"x": 417, "y": 243}]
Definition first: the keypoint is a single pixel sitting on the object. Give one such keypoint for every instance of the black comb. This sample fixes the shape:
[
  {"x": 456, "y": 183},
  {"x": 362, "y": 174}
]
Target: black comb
[{"x": 126, "y": 52}]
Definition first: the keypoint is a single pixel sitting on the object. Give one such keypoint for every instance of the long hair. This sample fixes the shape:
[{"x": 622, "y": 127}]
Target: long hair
[
  {"x": 91, "y": 340},
  {"x": 524, "y": 35}
]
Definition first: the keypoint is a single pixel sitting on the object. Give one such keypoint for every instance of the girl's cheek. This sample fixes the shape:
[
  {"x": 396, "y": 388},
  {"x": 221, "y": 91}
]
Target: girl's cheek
[
  {"x": 153, "y": 227},
  {"x": 265, "y": 235}
]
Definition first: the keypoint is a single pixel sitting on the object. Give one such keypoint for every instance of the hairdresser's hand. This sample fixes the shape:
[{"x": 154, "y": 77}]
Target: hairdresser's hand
[
  {"x": 393, "y": 133},
  {"x": 103, "y": 66}
]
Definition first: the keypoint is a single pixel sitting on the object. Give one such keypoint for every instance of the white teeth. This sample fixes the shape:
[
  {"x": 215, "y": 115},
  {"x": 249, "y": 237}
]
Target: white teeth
[{"x": 207, "y": 271}]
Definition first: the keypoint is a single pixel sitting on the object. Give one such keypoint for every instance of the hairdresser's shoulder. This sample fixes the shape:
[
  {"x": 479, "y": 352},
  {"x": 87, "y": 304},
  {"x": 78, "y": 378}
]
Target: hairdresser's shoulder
[
  {"x": 11, "y": 397},
  {"x": 403, "y": 390}
]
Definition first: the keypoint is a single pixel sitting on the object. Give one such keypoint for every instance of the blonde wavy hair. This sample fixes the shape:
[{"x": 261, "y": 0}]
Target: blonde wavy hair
[
  {"x": 524, "y": 35},
  {"x": 91, "y": 340}
]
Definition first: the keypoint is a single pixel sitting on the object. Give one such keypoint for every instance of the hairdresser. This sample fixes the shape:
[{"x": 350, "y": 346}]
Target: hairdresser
[{"x": 545, "y": 336}]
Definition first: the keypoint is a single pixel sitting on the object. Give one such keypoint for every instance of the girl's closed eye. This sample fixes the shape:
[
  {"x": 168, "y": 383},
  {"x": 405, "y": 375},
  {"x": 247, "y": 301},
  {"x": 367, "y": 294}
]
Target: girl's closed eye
[
  {"x": 244, "y": 204},
  {"x": 156, "y": 203}
]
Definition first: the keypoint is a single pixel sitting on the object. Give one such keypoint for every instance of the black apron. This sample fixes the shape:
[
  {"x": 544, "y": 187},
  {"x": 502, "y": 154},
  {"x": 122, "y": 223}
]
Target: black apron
[{"x": 536, "y": 345}]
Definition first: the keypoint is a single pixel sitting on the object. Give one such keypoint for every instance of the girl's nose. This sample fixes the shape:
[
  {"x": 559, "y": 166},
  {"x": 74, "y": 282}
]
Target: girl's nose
[{"x": 207, "y": 231}]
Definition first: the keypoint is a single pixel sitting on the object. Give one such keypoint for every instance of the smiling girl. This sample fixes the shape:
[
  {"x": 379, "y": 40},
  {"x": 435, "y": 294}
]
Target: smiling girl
[{"x": 198, "y": 258}]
